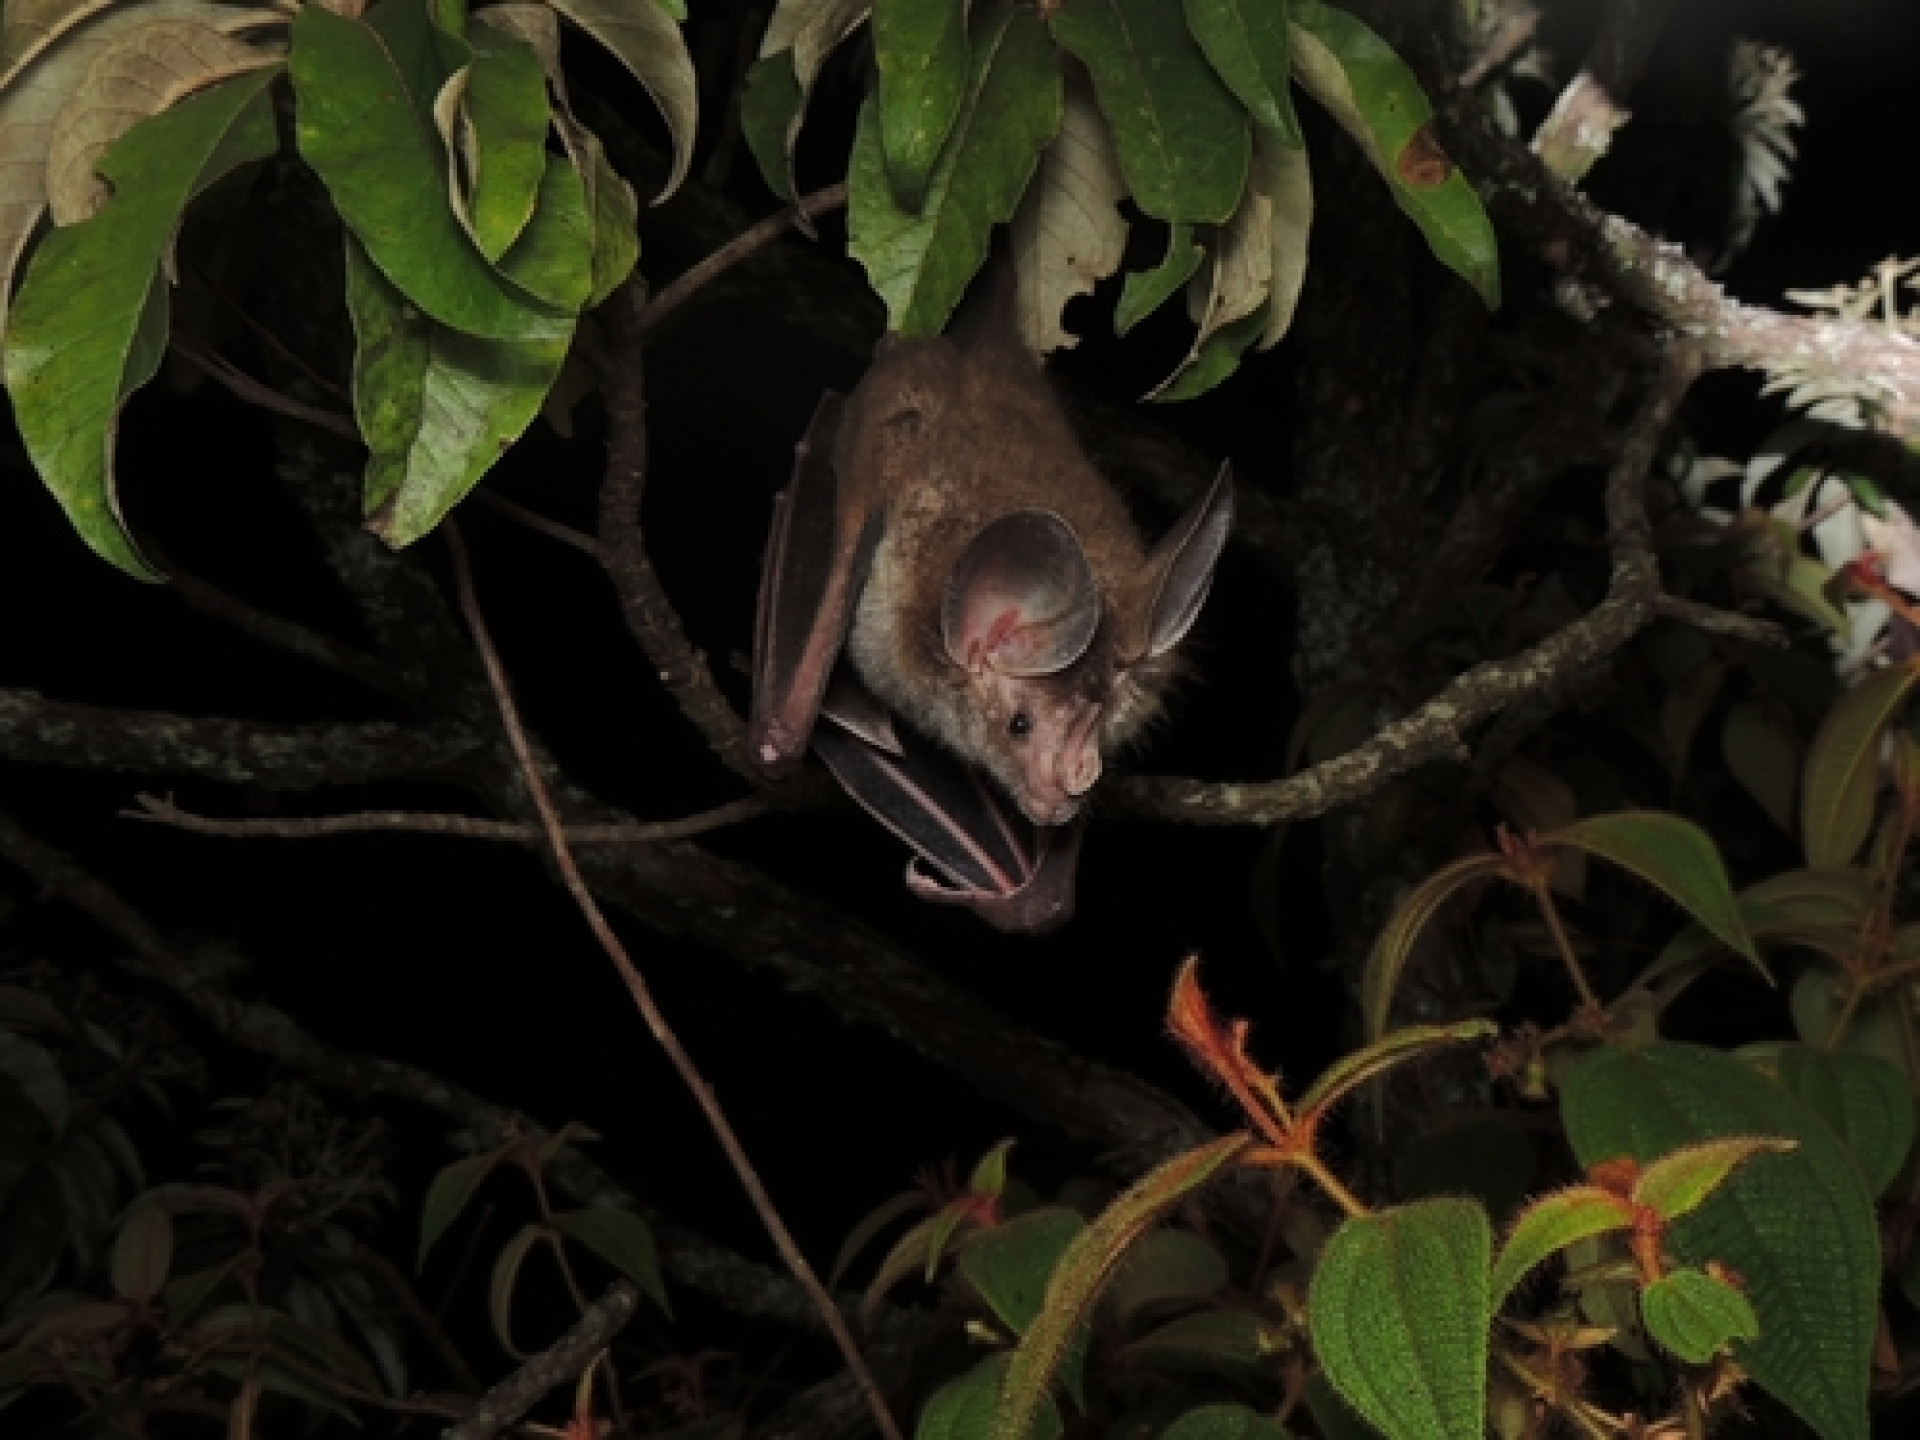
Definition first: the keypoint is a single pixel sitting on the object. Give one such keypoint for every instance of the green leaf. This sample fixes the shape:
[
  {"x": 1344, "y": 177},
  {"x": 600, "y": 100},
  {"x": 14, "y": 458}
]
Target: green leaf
[
  {"x": 1549, "y": 1225},
  {"x": 1247, "y": 42},
  {"x": 1409, "y": 918},
  {"x": 1086, "y": 1266},
  {"x": 1695, "y": 1316},
  {"x": 616, "y": 232},
  {"x": 989, "y": 1175},
  {"x": 1167, "y": 1265},
  {"x": 553, "y": 258},
  {"x": 1357, "y": 1067},
  {"x": 1224, "y": 1422},
  {"x": 1207, "y": 1341},
  {"x": 1183, "y": 139},
  {"x": 1373, "y": 95},
  {"x": 1146, "y": 291},
  {"x": 624, "y": 1241},
  {"x": 920, "y": 263},
  {"x": 1764, "y": 756},
  {"x": 870, "y": 1226},
  {"x": 1865, "y": 1101},
  {"x": 383, "y": 166},
  {"x": 1399, "y": 1311},
  {"x": 1217, "y": 357},
  {"x": 1009, "y": 1264},
  {"x": 1843, "y": 766},
  {"x": 90, "y": 321},
  {"x": 1680, "y": 1181},
  {"x": 505, "y": 110},
  {"x": 920, "y": 47},
  {"x": 436, "y": 407},
  {"x": 448, "y": 1195},
  {"x": 506, "y": 1277},
  {"x": 142, "y": 1252},
  {"x": 645, "y": 38},
  {"x": 963, "y": 1409},
  {"x": 1799, "y": 1227},
  {"x": 1673, "y": 855},
  {"x": 1873, "y": 1025},
  {"x": 800, "y": 35}
]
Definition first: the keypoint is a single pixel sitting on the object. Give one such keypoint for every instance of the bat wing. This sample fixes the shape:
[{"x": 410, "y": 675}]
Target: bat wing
[
  {"x": 818, "y": 554},
  {"x": 970, "y": 847}
]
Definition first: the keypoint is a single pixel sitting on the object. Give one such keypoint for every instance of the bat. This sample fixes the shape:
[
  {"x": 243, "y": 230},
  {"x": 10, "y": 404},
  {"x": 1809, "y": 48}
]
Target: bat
[{"x": 947, "y": 556}]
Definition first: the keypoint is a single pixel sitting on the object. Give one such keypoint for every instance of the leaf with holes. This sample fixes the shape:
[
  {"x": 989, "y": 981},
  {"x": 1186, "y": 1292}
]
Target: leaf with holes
[
  {"x": 90, "y": 323},
  {"x": 1068, "y": 234},
  {"x": 921, "y": 262},
  {"x": 1798, "y": 1227},
  {"x": 1399, "y": 1311}
]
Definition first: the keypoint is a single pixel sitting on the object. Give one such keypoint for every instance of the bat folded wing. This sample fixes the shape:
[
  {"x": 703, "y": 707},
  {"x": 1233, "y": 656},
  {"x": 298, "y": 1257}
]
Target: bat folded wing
[{"x": 971, "y": 848}]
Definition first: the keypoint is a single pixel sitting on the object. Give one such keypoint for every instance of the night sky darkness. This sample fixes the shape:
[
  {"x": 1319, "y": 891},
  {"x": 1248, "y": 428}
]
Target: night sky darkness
[{"x": 463, "y": 957}]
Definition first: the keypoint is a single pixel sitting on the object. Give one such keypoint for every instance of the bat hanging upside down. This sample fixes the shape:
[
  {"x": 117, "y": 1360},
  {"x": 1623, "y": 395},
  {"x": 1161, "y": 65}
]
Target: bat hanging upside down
[{"x": 947, "y": 554}]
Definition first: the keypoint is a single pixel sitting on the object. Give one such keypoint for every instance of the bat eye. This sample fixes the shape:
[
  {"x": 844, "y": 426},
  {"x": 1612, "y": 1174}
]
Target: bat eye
[{"x": 1021, "y": 725}]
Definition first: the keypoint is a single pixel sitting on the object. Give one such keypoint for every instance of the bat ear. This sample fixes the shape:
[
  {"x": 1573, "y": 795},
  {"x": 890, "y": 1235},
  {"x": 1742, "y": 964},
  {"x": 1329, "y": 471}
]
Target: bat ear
[
  {"x": 1022, "y": 597},
  {"x": 1181, "y": 566}
]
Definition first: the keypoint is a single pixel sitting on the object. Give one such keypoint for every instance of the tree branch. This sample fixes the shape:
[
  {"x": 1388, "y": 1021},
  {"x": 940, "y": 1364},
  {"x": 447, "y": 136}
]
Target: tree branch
[
  {"x": 1437, "y": 730},
  {"x": 560, "y": 1362},
  {"x": 39, "y": 731},
  {"x": 1580, "y": 126},
  {"x": 472, "y": 827}
]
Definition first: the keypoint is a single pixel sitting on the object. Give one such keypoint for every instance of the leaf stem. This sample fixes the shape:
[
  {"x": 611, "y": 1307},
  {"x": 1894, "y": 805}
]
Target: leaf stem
[
  {"x": 1550, "y": 912},
  {"x": 1331, "y": 1183}
]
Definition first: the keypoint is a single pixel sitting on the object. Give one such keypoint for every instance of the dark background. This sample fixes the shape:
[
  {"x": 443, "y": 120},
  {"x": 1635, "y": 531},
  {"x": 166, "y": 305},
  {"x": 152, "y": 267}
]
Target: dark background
[{"x": 463, "y": 957}]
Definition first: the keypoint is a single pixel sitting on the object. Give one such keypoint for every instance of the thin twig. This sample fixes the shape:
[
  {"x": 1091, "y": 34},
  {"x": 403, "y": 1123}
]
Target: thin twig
[
  {"x": 643, "y": 999},
  {"x": 565, "y": 1358},
  {"x": 160, "y": 811},
  {"x": 1437, "y": 729},
  {"x": 534, "y": 520},
  {"x": 1512, "y": 36},
  {"x": 271, "y": 629},
  {"x": 802, "y": 213},
  {"x": 266, "y": 397},
  {"x": 1722, "y": 622}
]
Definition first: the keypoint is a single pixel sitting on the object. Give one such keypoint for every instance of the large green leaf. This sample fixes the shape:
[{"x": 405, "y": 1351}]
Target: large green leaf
[
  {"x": 1374, "y": 96},
  {"x": 1009, "y": 1264},
  {"x": 507, "y": 115},
  {"x": 90, "y": 324},
  {"x": 1672, "y": 854},
  {"x": 644, "y": 37},
  {"x": 436, "y": 407},
  {"x": 1863, "y": 1099},
  {"x": 1798, "y": 1227},
  {"x": 920, "y": 263},
  {"x": 1399, "y": 1311},
  {"x": 1843, "y": 766},
  {"x": 359, "y": 127},
  {"x": 920, "y": 47},
  {"x": 1183, "y": 139},
  {"x": 1248, "y": 43}
]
